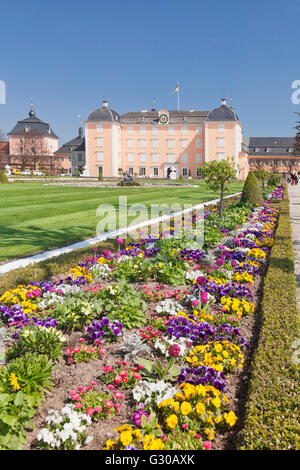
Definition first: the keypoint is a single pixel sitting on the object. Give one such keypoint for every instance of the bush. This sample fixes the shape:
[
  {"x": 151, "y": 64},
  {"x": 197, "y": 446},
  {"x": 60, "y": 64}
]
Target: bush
[
  {"x": 271, "y": 420},
  {"x": 251, "y": 191},
  {"x": 274, "y": 180},
  {"x": 3, "y": 177}
]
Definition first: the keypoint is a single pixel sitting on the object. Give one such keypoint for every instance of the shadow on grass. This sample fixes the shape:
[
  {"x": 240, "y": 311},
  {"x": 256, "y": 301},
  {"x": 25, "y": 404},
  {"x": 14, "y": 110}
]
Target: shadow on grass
[{"x": 39, "y": 239}]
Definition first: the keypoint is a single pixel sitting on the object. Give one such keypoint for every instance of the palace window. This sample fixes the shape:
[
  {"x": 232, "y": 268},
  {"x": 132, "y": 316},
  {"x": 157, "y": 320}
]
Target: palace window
[
  {"x": 184, "y": 157},
  {"x": 171, "y": 144},
  {"x": 99, "y": 156},
  {"x": 184, "y": 143},
  {"x": 99, "y": 141},
  {"x": 142, "y": 171},
  {"x": 130, "y": 157},
  {"x": 221, "y": 142},
  {"x": 184, "y": 171}
]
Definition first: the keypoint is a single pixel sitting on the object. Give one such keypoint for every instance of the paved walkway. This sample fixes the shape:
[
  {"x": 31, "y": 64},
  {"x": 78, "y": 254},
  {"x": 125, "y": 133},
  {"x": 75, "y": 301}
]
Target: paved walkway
[{"x": 294, "y": 196}]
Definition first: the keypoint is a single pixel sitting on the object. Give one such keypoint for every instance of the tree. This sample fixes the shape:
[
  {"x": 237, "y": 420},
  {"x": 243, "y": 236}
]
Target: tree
[
  {"x": 262, "y": 175},
  {"x": 251, "y": 190},
  {"x": 296, "y": 143},
  {"x": 218, "y": 177},
  {"x": 3, "y": 177}
]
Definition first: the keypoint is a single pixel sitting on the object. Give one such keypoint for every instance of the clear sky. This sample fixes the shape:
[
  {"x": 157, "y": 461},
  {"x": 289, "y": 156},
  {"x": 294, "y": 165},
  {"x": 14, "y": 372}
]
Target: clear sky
[{"x": 69, "y": 55}]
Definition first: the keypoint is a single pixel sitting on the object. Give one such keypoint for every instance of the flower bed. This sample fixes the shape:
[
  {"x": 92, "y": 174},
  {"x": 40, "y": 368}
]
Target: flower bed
[{"x": 151, "y": 366}]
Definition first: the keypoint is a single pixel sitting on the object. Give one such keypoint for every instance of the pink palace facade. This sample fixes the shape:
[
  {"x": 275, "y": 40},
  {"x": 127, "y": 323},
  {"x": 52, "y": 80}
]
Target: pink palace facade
[{"x": 154, "y": 143}]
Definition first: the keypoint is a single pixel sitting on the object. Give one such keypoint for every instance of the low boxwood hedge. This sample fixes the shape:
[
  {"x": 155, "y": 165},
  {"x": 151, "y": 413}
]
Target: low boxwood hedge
[{"x": 272, "y": 409}]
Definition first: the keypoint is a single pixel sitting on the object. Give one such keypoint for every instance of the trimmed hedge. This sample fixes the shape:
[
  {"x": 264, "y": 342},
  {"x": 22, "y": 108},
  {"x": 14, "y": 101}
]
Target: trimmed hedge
[
  {"x": 272, "y": 409},
  {"x": 251, "y": 191}
]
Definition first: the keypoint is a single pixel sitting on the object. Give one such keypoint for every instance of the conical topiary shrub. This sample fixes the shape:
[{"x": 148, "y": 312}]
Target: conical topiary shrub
[
  {"x": 251, "y": 191},
  {"x": 3, "y": 177}
]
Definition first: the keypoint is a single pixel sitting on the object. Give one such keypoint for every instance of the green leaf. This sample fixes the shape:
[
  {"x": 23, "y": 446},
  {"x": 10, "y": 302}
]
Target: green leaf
[
  {"x": 10, "y": 420},
  {"x": 19, "y": 398}
]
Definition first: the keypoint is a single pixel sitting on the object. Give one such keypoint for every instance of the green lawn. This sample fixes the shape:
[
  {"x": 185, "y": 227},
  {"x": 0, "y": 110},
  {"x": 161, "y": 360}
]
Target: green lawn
[{"x": 35, "y": 217}]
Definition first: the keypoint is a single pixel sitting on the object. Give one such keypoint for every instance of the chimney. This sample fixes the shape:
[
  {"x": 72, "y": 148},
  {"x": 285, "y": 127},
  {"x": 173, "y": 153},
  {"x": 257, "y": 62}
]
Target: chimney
[
  {"x": 105, "y": 104},
  {"x": 223, "y": 101}
]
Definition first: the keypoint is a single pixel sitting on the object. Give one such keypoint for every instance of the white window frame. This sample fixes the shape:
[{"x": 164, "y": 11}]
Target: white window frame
[
  {"x": 183, "y": 171},
  {"x": 130, "y": 157},
  {"x": 155, "y": 157},
  {"x": 171, "y": 143},
  {"x": 130, "y": 143},
  {"x": 99, "y": 141},
  {"x": 221, "y": 142},
  {"x": 155, "y": 143},
  {"x": 184, "y": 157},
  {"x": 143, "y": 157},
  {"x": 199, "y": 157},
  {"x": 184, "y": 143},
  {"x": 100, "y": 156},
  {"x": 199, "y": 143}
]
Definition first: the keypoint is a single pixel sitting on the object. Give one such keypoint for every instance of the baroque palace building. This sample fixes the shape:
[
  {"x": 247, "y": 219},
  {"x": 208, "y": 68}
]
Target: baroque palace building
[
  {"x": 156, "y": 143},
  {"x": 146, "y": 144}
]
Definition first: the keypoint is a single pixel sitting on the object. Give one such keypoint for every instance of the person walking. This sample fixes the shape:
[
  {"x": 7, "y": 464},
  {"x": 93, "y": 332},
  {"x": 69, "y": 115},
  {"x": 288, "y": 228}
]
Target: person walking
[{"x": 293, "y": 177}]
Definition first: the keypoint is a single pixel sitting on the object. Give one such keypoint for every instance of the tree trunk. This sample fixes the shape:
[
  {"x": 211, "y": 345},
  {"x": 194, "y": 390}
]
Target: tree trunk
[{"x": 222, "y": 201}]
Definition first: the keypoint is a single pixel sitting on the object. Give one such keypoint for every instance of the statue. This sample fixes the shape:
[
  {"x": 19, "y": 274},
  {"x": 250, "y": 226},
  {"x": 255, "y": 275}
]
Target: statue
[
  {"x": 172, "y": 174},
  {"x": 85, "y": 171},
  {"x": 7, "y": 170}
]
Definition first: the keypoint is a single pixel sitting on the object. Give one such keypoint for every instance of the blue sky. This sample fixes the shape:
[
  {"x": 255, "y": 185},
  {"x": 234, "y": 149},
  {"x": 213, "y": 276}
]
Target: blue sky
[{"x": 70, "y": 55}]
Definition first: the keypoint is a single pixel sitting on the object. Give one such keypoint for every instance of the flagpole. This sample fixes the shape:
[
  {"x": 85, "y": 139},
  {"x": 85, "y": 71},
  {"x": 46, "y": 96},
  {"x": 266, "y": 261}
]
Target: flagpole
[{"x": 178, "y": 95}]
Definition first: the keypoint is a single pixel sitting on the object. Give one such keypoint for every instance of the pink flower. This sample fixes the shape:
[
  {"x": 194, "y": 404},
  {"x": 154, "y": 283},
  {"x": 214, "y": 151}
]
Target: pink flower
[
  {"x": 110, "y": 387},
  {"x": 120, "y": 241},
  {"x": 93, "y": 383},
  {"x": 89, "y": 411},
  {"x": 204, "y": 297},
  {"x": 201, "y": 280},
  {"x": 195, "y": 302},
  {"x": 72, "y": 393},
  {"x": 78, "y": 405},
  {"x": 98, "y": 409},
  {"x": 70, "y": 360},
  {"x": 207, "y": 445},
  {"x": 184, "y": 426},
  {"x": 81, "y": 340},
  {"x": 174, "y": 350}
]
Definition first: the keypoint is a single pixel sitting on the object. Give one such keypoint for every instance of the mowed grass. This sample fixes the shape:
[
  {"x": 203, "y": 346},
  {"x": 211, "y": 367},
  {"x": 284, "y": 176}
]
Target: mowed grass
[{"x": 35, "y": 217}]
